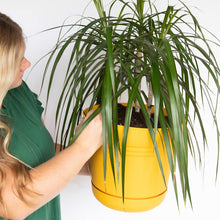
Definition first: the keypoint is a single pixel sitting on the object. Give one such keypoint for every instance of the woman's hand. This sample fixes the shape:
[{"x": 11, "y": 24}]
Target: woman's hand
[
  {"x": 85, "y": 169},
  {"x": 91, "y": 136}
]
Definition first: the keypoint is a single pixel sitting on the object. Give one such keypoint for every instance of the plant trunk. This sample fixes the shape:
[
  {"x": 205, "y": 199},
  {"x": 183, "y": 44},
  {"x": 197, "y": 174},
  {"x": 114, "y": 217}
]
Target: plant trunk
[
  {"x": 138, "y": 66},
  {"x": 150, "y": 99}
]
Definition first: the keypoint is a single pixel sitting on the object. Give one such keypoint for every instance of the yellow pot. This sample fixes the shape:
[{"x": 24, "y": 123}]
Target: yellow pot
[{"x": 144, "y": 184}]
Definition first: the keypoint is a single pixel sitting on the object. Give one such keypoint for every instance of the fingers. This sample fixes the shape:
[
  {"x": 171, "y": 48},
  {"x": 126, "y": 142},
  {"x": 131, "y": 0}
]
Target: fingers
[
  {"x": 91, "y": 136},
  {"x": 83, "y": 120},
  {"x": 98, "y": 118},
  {"x": 88, "y": 114}
]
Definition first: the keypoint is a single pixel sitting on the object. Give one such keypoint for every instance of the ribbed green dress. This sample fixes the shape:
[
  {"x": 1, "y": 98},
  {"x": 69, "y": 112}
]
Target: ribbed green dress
[{"x": 31, "y": 141}]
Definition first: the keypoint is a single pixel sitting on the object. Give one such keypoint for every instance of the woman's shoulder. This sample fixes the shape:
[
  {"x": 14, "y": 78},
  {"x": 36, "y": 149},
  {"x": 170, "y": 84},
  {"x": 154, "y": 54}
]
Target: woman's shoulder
[
  {"x": 20, "y": 89},
  {"x": 25, "y": 91},
  {"x": 21, "y": 96},
  {"x": 24, "y": 86}
]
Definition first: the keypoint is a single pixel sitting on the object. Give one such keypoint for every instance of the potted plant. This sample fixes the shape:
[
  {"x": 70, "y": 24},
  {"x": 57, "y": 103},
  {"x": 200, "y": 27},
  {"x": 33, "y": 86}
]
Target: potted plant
[{"x": 161, "y": 60}]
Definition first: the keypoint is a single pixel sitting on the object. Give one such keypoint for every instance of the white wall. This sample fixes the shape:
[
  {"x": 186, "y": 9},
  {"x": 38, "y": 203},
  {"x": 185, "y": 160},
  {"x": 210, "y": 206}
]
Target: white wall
[{"x": 77, "y": 199}]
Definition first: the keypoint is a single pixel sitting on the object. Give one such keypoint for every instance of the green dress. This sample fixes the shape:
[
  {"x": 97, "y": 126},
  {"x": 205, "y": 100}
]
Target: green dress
[{"x": 30, "y": 141}]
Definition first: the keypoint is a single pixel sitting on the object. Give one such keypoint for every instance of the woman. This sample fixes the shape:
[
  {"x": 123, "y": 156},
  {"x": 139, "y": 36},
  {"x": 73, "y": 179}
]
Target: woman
[{"x": 31, "y": 176}]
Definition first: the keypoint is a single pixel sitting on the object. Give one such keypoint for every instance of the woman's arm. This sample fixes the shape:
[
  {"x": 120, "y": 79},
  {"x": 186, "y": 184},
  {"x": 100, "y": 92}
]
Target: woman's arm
[{"x": 52, "y": 176}]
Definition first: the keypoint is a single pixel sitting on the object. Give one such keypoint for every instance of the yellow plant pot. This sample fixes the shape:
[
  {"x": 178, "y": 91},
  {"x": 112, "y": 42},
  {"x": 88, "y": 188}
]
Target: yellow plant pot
[{"x": 144, "y": 184}]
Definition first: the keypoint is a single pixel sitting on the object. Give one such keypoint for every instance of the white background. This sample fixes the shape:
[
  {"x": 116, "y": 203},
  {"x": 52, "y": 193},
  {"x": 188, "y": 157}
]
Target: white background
[{"x": 77, "y": 200}]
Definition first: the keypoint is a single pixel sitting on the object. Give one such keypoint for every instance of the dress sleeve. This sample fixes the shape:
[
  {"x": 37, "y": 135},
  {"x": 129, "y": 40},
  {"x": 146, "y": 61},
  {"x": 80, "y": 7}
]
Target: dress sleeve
[
  {"x": 38, "y": 104},
  {"x": 32, "y": 98}
]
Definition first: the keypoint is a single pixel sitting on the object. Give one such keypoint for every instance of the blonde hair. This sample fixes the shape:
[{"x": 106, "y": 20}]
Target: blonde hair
[{"x": 11, "y": 44}]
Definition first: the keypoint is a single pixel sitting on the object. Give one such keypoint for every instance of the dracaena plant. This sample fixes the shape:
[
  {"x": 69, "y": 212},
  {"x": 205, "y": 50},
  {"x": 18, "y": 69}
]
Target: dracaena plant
[{"x": 166, "y": 51}]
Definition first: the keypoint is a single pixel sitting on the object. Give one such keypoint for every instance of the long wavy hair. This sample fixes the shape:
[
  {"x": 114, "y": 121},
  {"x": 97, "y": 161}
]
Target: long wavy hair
[{"x": 11, "y": 44}]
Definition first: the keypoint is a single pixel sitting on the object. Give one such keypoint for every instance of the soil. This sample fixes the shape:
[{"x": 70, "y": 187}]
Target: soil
[{"x": 137, "y": 118}]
